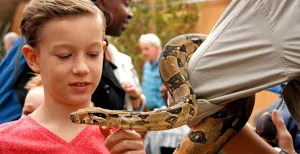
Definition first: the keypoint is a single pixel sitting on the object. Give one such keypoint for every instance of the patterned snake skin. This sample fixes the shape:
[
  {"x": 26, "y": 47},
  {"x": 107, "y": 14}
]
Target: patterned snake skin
[{"x": 208, "y": 137}]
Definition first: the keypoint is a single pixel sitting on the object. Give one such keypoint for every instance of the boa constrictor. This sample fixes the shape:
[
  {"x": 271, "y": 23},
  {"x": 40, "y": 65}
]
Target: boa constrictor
[{"x": 208, "y": 136}]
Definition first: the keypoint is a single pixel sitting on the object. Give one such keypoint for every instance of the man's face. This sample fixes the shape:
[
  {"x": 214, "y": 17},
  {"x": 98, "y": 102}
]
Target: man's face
[
  {"x": 121, "y": 14},
  {"x": 149, "y": 51},
  {"x": 7, "y": 45}
]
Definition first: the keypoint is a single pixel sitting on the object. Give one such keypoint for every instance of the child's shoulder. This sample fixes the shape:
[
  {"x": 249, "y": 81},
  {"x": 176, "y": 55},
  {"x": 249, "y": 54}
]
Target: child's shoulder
[
  {"x": 12, "y": 133},
  {"x": 18, "y": 127},
  {"x": 7, "y": 127}
]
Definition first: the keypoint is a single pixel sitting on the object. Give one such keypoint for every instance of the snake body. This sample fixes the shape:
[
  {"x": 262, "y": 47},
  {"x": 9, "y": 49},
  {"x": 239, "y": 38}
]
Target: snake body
[{"x": 208, "y": 136}]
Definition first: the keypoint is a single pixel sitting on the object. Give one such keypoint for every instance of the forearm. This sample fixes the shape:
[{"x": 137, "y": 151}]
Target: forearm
[{"x": 247, "y": 142}]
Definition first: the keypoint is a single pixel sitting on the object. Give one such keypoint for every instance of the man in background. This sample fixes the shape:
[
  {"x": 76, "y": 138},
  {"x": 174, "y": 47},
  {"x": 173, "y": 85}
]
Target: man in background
[
  {"x": 9, "y": 39},
  {"x": 152, "y": 84}
]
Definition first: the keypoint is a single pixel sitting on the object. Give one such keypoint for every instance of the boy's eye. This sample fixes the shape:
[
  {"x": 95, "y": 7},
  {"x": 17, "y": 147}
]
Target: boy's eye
[
  {"x": 93, "y": 54},
  {"x": 64, "y": 56}
]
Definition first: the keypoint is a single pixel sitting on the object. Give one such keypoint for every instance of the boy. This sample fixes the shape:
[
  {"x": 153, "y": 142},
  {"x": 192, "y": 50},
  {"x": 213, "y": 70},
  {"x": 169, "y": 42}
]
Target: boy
[{"x": 65, "y": 46}]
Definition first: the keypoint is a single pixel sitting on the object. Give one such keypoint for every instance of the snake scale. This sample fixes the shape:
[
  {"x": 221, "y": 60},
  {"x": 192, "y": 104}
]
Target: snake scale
[{"x": 208, "y": 137}]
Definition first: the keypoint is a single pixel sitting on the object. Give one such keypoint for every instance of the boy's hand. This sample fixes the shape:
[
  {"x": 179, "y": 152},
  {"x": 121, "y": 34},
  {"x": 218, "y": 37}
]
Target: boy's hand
[{"x": 123, "y": 141}]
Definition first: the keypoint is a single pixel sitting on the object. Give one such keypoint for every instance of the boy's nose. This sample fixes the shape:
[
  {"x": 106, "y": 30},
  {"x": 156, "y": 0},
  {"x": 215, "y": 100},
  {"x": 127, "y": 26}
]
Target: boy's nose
[{"x": 80, "y": 68}]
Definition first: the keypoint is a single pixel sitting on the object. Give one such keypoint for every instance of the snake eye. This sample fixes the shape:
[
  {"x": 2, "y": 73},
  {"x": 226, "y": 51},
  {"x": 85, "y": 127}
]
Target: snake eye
[
  {"x": 182, "y": 48},
  {"x": 179, "y": 63},
  {"x": 73, "y": 118},
  {"x": 100, "y": 115}
]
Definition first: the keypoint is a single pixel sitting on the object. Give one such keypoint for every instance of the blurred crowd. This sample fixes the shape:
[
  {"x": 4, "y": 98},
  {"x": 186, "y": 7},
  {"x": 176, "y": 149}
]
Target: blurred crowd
[{"x": 31, "y": 86}]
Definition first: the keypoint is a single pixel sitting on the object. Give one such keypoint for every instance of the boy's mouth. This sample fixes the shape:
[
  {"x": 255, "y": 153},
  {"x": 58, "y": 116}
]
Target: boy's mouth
[{"x": 80, "y": 84}]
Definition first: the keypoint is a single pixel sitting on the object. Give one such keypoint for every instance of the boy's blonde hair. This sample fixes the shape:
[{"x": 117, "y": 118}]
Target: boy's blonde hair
[
  {"x": 34, "y": 82},
  {"x": 38, "y": 12}
]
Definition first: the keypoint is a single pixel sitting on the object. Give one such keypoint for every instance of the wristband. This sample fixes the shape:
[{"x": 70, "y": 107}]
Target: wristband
[{"x": 280, "y": 151}]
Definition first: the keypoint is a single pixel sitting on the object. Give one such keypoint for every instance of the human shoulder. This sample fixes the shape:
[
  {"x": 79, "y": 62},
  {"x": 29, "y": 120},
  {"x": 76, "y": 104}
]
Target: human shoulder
[
  {"x": 9, "y": 127},
  {"x": 125, "y": 57},
  {"x": 14, "y": 133},
  {"x": 115, "y": 52},
  {"x": 117, "y": 56},
  {"x": 16, "y": 128}
]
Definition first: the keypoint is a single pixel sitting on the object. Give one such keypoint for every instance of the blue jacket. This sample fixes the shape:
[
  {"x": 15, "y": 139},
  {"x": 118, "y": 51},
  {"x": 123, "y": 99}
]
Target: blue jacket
[
  {"x": 10, "y": 109},
  {"x": 277, "y": 89}
]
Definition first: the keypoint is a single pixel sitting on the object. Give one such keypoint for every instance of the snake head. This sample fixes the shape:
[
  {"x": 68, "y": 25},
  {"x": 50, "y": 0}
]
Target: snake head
[
  {"x": 75, "y": 118},
  {"x": 94, "y": 116},
  {"x": 87, "y": 118}
]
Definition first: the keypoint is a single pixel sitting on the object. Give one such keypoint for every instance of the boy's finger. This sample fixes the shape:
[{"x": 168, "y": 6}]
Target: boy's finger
[
  {"x": 105, "y": 131},
  {"x": 126, "y": 145},
  {"x": 121, "y": 135}
]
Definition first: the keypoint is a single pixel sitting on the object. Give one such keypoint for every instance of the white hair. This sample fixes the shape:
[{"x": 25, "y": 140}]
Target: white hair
[
  {"x": 10, "y": 37},
  {"x": 150, "y": 38}
]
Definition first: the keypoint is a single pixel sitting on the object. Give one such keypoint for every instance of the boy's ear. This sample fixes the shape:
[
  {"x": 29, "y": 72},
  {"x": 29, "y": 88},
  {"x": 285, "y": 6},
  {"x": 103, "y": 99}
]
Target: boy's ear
[
  {"x": 31, "y": 56},
  {"x": 104, "y": 46}
]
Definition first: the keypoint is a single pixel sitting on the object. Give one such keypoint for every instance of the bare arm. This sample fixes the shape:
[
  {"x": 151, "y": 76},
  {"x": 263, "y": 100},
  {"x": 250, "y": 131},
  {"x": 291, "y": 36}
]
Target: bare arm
[{"x": 247, "y": 142}]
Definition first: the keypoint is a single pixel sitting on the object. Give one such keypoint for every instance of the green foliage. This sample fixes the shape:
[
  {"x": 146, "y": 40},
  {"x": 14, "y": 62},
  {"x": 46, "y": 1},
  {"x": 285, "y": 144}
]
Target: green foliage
[
  {"x": 165, "y": 20},
  {"x": 8, "y": 10},
  {"x": 2, "y": 52}
]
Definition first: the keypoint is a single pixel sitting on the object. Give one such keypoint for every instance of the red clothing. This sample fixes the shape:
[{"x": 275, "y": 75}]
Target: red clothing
[{"x": 27, "y": 136}]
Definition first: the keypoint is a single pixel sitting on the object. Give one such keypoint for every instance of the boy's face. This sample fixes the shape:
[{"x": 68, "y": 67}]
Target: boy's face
[{"x": 69, "y": 58}]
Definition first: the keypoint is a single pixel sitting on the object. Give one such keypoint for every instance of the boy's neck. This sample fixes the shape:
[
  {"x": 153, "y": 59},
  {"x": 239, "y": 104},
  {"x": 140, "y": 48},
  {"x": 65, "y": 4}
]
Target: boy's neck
[{"x": 56, "y": 118}]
